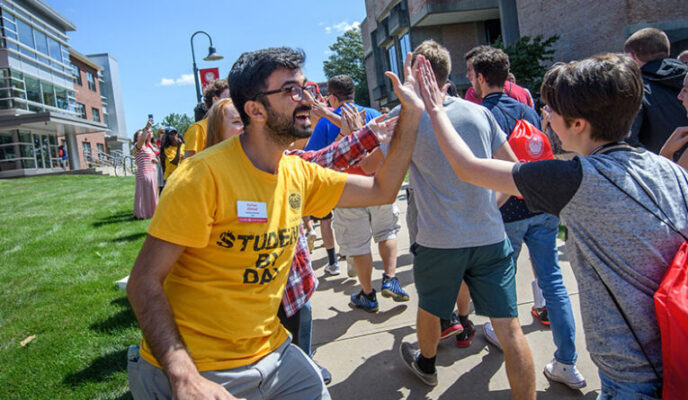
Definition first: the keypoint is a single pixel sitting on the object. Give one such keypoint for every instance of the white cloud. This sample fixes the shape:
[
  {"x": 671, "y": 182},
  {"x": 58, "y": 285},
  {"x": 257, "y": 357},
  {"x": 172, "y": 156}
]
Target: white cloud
[
  {"x": 184, "y": 80},
  {"x": 342, "y": 27}
]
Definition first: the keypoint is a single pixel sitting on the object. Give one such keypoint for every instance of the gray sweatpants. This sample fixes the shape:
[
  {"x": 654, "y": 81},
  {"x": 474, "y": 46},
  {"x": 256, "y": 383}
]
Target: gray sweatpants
[{"x": 285, "y": 374}]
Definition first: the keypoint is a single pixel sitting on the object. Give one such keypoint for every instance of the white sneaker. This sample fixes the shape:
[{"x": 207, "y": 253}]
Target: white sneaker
[
  {"x": 566, "y": 374},
  {"x": 332, "y": 269},
  {"x": 491, "y": 336},
  {"x": 350, "y": 269}
]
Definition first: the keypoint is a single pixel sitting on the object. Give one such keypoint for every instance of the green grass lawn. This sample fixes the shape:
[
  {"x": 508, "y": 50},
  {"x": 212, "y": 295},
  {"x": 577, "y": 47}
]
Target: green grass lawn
[{"x": 65, "y": 240}]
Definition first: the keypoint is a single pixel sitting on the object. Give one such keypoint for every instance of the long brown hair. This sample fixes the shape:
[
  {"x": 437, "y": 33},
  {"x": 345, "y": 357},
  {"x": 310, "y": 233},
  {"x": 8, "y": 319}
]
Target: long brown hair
[{"x": 216, "y": 116}]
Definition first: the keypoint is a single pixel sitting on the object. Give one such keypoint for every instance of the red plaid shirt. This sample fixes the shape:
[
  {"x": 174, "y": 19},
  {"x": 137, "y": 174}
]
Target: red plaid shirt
[{"x": 340, "y": 155}]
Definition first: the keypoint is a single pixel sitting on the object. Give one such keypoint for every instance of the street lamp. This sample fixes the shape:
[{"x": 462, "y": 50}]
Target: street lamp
[{"x": 212, "y": 56}]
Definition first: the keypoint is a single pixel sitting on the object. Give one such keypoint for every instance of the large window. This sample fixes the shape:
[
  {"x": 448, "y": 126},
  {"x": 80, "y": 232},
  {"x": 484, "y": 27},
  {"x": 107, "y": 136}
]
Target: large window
[
  {"x": 405, "y": 45},
  {"x": 48, "y": 94},
  {"x": 95, "y": 114},
  {"x": 26, "y": 37},
  {"x": 392, "y": 55},
  {"x": 76, "y": 73},
  {"x": 33, "y": 89},
  {"x": 91, "y": 81},
  {"x": 81, "y": 110}
]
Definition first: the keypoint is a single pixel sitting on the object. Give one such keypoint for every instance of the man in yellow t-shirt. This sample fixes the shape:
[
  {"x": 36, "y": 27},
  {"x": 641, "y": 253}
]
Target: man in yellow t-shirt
[
  {"x": 209, "y": 279},
  {"x": 196, "y": 133}
]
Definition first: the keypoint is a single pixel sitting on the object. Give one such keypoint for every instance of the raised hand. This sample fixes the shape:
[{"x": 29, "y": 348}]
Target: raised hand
[
  {"x": 408, "y": 93},
  {"x": 432, "y": 95},
  {"x": 675, "y": 142},
  {"x": 383, "y": 128}
]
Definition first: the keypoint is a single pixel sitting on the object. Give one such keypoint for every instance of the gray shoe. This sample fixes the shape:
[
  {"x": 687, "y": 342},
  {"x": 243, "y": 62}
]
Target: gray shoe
[{"x": 409, "y": 356}]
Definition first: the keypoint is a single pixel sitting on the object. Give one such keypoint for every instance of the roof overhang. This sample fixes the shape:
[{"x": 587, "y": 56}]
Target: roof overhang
[
  {"x": 51, "y": 123},
  {"x": 83, "y": 59},
  {"x": 455, "y": 12},
  {"x": 49, "y": 13}
]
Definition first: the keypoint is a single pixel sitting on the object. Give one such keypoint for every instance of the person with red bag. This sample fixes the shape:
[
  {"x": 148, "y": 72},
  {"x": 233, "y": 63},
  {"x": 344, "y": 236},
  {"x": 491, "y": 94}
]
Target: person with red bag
[
  {"x": 537, "y": 230},
  {"x": 607, "y": 197}
]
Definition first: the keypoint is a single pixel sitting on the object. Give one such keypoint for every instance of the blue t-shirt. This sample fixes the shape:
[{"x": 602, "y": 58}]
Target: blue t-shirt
[
  {"x": 506, "y": 112},
  {"x": 325, "y": 132}
]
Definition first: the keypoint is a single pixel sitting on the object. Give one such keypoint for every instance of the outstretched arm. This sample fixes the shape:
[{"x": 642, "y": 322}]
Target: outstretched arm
[
  {"x": 487, "y": 173},
  {"x": 361, "y": 191},
  {"x": 152, "y": 309}
]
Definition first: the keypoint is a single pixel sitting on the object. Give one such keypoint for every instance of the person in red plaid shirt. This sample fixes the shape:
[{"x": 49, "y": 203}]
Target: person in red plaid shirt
[{"x": 295, "y": 312}]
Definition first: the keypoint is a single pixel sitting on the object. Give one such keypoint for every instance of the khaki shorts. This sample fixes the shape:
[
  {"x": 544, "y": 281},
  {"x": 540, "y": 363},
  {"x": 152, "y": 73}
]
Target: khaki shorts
[{"x": 354, "y": 227}]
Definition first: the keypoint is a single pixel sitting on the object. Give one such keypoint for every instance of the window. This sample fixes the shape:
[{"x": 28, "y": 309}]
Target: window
[
  {"x": 393, "y": 64},
  {"x": 48, "y": 94},
  {"x": 33, "y": 89},
  {"x": 100, "y": 147},
  {"x": 55, "y": 50},
  {"x": 405, "y": 44},
  {"x": 96, "y": 114},
  {"x": 76, "y": 73},
  {"x": 26, "y": 37},
  {"x": 91, "y": 81},
  {"x": 86, "y": 149},
  {"x": 81, "y": 110},
  {"x": 61, "y": 98}
]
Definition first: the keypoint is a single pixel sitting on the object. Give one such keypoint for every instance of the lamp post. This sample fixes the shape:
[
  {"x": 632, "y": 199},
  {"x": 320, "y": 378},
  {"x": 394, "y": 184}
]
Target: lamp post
[{"x": 212, "y": 56}]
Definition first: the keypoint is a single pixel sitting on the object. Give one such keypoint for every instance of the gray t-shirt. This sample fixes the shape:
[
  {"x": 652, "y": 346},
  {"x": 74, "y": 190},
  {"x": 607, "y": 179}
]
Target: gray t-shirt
[
  {"x": 610, "y": 232},
  {"x": 454, "y": 214}
]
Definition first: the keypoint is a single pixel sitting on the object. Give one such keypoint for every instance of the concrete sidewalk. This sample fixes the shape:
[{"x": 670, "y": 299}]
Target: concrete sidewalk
[{"x": 361, "y": 350}]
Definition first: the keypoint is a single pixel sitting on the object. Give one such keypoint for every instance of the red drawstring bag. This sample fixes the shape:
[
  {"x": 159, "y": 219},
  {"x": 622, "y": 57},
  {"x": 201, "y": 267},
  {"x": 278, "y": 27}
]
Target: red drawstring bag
[
  {"x": 671, "y": 307},
  {"x": 529, "y": 143}
]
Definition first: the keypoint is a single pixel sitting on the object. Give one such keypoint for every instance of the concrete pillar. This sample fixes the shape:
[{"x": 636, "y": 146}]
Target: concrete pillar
[
  {"x": 73, "y": 152},
  {"x": 508, "y": 17}
]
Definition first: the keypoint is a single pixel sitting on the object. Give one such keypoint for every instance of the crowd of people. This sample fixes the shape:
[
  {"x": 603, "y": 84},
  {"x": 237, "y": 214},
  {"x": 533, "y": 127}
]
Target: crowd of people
[{"x": 222, "y": 285}]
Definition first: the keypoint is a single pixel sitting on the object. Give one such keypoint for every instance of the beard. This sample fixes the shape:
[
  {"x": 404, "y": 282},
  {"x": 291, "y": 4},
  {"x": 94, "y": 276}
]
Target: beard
[
  {"x": 478, "y": 92},
  {"x": 283, "y": 129}
]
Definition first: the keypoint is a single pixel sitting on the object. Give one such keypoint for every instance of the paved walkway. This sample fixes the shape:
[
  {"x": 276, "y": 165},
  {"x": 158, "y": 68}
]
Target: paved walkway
[{"x": 362, "y": 349}]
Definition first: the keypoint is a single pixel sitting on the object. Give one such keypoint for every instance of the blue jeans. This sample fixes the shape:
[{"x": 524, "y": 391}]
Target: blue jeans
[
  {"x": 305, "y": 328},
  {"x": 540, "y": 234},
  {"x": 616, "y": 390}
]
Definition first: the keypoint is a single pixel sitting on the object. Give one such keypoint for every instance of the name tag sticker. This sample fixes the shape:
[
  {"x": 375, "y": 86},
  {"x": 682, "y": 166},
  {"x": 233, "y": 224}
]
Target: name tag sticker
[{"x": 252, "y": 211}]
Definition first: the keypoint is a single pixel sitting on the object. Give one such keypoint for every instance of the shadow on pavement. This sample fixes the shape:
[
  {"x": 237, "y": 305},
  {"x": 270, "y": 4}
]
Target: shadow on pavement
[{"x": 329, "y": 330}]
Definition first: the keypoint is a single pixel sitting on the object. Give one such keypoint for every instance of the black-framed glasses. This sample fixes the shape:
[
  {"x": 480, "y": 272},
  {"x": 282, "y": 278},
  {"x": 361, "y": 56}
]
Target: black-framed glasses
[{"x": 296, "y": 92}]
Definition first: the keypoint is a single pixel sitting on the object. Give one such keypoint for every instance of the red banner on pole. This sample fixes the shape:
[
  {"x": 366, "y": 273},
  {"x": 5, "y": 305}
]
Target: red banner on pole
[{"x": 208, "y": 75}]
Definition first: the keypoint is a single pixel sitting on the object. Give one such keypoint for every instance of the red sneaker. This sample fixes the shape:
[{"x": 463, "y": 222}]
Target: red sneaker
[{"x": 541, "y": 315}]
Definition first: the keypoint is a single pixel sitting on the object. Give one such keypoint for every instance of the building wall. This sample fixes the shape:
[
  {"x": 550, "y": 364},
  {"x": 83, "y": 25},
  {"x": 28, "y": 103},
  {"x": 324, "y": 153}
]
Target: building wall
[
  {"x": 90, "y": 99},
  {"x": 587, "y": 27}
]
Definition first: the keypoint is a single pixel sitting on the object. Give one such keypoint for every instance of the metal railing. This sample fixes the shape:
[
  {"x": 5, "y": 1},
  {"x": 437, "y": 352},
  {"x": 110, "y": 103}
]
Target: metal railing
[{"x": 123, "y": 165}]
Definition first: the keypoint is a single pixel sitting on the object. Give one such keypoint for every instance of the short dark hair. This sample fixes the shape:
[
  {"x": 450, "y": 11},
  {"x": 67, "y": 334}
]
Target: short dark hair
[
  {"x": 474, "y": 51},
  {"x": 342, "y": 87},
  {"x": 493, "y": 64},
  {"x": 214, "y": 89},
  {"x": 648, "y": 44},
  {"x": 606, "y": 90},
  {"x": 249, "y": 74},
  {"x": 439, "y": 58},
  {"x": 200, "y": 111}
]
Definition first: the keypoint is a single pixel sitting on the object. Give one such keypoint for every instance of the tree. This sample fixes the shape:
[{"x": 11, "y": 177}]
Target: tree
[
  {"x": 179, "y": 121},
  {"x": 348, "y": 58},
  {"x": 528, "y": 57}
]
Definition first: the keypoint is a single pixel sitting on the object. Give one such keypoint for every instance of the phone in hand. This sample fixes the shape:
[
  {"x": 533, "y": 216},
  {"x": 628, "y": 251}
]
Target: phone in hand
[{"x": 150, "y": 119}]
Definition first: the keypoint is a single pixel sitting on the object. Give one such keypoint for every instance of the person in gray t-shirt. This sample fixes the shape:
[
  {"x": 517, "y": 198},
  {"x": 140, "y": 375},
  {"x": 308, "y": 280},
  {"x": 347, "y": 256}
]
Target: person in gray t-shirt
[
  {"x": 619, "y": 251},
  {"x": 461, "y": 236}
]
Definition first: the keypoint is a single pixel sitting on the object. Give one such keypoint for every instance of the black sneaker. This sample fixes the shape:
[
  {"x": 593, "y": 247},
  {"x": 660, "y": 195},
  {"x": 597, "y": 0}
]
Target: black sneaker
[
  {"x": 409, "y": 356},
  {"x": 464, "y": 338},
  {"x": 450, "y": 327}
]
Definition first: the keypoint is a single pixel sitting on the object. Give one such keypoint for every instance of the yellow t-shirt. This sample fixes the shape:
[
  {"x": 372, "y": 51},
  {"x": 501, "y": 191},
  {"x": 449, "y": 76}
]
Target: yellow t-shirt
[
  {"x": 170, "y": 154},
  {"x": 226, "y": 287},
  {"x": 195, "y": 136}
]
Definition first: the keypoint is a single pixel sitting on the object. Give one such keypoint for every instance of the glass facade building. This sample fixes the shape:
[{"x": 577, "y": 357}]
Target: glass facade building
[{"x": 37, "y": 95}]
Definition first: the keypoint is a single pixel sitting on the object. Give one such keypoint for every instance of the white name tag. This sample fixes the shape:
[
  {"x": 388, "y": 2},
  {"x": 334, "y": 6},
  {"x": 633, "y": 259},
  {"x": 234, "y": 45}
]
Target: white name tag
[{"x": 252, "y": 211}]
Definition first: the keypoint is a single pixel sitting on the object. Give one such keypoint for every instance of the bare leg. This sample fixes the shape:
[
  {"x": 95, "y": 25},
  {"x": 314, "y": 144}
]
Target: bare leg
[
  {"x": 519, "y": 361},
  {"x": 388, "y": 253},
  {"x": 428, "y": 331},
  {"x": 463, "y": 301},
  {"x": 364, "y": 268},
  {"x": 326, "y": 233}
]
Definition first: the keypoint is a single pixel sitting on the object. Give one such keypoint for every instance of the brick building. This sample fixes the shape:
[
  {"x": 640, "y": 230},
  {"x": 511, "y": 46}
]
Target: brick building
[
  {"x": 393, "y": 27},
  {"x": 89, "y": 105}
]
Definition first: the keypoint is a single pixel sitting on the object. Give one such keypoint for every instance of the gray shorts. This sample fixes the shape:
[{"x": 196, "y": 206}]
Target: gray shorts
[
  {"x": 285, "y": 374},
  {"x": 354, "y": 227}
]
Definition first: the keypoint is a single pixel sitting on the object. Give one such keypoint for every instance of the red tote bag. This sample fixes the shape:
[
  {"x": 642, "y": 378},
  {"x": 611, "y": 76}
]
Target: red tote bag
[{"x": 671, "y": 307}]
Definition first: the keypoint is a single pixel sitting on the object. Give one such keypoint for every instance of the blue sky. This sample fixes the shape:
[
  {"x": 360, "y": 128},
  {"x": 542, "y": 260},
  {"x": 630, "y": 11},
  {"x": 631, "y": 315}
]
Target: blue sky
[{"x": 150, "y": 40}]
